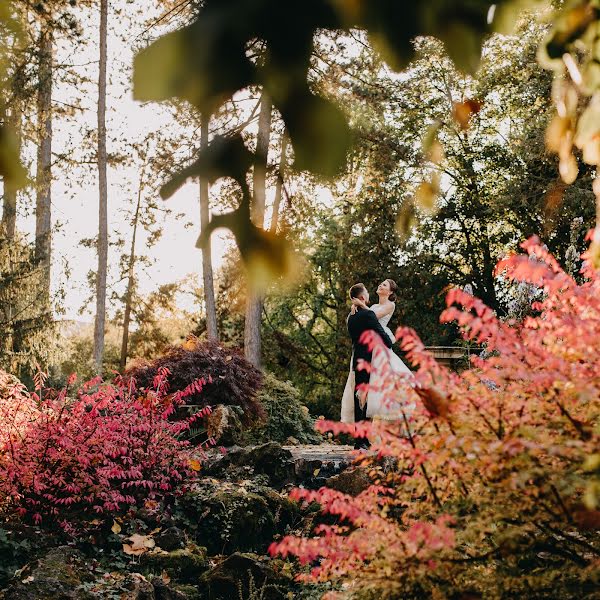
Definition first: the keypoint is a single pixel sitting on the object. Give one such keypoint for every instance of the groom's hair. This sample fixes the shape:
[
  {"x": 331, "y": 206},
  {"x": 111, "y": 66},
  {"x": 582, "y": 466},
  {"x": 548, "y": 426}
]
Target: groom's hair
[{"x": 358, "y": 289}]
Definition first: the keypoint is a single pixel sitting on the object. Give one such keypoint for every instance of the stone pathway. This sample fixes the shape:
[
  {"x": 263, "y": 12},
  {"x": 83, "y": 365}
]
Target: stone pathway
[{"x": 334, "y": 454}]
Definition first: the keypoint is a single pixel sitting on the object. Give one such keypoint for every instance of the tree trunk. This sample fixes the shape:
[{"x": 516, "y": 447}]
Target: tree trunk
[
  {"x": 43, "y": 214},
  {"x": 130, "y": 284},
  {"x": 254, "y": 303},
  {"x": 207, "y": 270},
  {"x": 279, "y": 184},
  {"x": 9, "y": 208},
  {"x": 103, "y": 198}
]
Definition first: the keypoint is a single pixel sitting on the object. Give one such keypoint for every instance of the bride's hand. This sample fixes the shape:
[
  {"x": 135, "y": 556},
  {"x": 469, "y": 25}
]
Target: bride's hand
[
  {"x": 353, "y": 309},
  {"x": 357, "y": 302}
]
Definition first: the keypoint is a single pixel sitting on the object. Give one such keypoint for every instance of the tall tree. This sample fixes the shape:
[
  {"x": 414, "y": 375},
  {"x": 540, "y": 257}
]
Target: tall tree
[
  {"x": 207, "y": 269},
  {"x": 103, "y": 195},
  {"x": 9, "y": 208},
  {"x": 280, "y": 182},
  {"x": 43, "y": 211},
  {"x": 130, "y": 280},
  {"x": 254, "y": 305}
]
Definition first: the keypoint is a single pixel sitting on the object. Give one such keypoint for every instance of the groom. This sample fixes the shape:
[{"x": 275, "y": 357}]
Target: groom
[{"x": 359, "y": 322}]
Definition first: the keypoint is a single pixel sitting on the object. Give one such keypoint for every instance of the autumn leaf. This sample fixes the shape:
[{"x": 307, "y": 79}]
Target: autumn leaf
[
  {"x": 116, "y": 528},
  {"x": 194, "y": 464},
  {"x": 463, "y": 112},
  {"x": 435, "y": 401},
  {"x": 138, "y": 544}
]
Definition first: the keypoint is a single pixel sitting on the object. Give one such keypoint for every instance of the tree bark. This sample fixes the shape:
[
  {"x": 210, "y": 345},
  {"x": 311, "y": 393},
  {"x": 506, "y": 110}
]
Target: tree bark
[
  {"x": 130, "y": 283},
  {"x": 254, "y": 303},
  {"x": 9, "y": 208},
  {"x": 279, "y": 184},
  {"x": 207, "y": 270},
  {"x": 103, "y": 196},
  {"x": 43, "y": 211}
]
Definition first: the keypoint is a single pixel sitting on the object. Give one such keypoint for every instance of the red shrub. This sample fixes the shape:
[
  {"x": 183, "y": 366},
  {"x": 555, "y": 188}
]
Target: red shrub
[
  {"x": 230, "y": 378},
  {"x": 508, "y": 449},
  {"x": 105, "y": 451}
]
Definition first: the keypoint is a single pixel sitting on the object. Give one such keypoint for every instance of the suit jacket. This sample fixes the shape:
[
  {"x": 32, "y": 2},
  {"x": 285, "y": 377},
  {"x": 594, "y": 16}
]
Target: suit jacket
[{"x": 359, "y": 322}]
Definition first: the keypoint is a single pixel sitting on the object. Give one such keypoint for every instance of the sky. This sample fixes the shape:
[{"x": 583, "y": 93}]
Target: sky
[
  {"x": 131, "y": 25},
  {"x": 75, "y": 193}
]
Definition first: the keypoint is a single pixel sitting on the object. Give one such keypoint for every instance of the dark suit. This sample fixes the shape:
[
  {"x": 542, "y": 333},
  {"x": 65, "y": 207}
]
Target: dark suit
[{"x": 363, "y": 320}]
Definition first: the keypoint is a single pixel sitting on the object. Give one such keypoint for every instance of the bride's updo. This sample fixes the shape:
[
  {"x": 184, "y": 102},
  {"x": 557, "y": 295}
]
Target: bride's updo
[{"x": 393, "y": 288}]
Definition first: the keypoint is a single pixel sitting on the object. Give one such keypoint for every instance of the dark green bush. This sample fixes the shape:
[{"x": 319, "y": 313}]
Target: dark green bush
[{"x": 286, "y": 416}]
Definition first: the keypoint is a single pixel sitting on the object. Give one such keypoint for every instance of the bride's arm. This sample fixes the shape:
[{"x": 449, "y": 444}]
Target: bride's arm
[{"x": 382, "y": 311}]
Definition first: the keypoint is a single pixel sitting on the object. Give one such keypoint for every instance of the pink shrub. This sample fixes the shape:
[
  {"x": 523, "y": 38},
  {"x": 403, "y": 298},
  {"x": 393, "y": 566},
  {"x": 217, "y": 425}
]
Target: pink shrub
[
  {"x": 500, "y": 463},
  {"x": 104, "y": 450}
]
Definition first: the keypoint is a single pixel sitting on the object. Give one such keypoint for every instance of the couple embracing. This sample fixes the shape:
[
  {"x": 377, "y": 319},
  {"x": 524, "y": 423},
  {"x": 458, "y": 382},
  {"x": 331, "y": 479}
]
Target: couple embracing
[{"x": 365, "y": 395}]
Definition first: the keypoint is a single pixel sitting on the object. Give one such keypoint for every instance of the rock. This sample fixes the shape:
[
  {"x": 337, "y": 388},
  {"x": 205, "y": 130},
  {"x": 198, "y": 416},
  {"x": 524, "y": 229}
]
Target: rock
[
  {"x": 243, "y": 575},
  {"x": 134, "y": 587},
  {"x": 305, "y": 469},
  {"x": 270, "y": 459},
  {"x": 352, "y": 481},
  {"x": 59, "y": 574},
  {"x": 292, "y": 441},
  {"x": 184, "y": 564},
  {"x": 224, "y": 424},
  {"x": 170, "y": 539},
  {"x": 164, "y": 591},
  {"x": 229, "y": 517}
]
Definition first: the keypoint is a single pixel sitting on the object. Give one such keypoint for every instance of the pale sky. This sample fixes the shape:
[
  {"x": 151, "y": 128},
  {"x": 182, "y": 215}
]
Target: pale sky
[{"x": 75, "y": 194}]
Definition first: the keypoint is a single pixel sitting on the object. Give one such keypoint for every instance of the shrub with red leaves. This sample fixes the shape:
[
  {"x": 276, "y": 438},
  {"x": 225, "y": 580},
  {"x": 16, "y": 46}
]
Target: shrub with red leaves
[
  {"x": 499, "y": 471},
  {"x": 230, "y": 378},
  {"x": 101, "y": 451}
]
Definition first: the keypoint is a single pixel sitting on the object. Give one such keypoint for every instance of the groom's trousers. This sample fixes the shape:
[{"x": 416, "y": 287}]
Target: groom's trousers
[{"x": 360, "y": 377}]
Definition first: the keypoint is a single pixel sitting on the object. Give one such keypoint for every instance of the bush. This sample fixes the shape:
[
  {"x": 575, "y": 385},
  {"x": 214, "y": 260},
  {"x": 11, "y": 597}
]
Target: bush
[
  {"x": 286, "y": 415},
  {"x": 105, "y": 451},
  {"x": 497, "y": 491},
  {"x": 230, "y": 378}
]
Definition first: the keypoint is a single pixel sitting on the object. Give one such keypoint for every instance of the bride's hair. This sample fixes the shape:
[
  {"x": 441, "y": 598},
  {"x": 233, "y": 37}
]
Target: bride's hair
[{"x": 393, "y": 288}]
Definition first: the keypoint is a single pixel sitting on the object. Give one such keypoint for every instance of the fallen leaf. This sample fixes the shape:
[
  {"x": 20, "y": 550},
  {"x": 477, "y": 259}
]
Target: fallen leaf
[
  {"x": 139, "y": 544},
  {"x": 116, "y": 528},
  {"x": 194, "y": 464}
]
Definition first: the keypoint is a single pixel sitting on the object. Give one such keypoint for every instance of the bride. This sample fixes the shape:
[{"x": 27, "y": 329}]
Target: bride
[{"x": 382, "y": 390}]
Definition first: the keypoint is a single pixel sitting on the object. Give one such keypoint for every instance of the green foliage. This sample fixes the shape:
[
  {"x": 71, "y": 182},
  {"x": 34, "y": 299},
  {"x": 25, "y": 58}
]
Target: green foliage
[
  {"x": 27, "y": 335},
  {"x": 12, "y": 172},
  {"x": 499, "y": 185},
  {"x": 14, "y": 552},
  {"x": 228, "y": 517},
  {"x": 285, "y": 415}
]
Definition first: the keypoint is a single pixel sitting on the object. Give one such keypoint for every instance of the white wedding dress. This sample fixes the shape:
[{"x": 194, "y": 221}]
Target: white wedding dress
[{"x": 386, "y": 399}]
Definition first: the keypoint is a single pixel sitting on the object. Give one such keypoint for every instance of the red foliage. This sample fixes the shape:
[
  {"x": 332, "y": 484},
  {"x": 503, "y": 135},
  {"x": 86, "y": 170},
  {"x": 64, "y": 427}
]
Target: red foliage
[
  {"x": 104, "y": 451},
  {"x": 506, "y": 447},
  {"x": 230, "y": 378}
]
